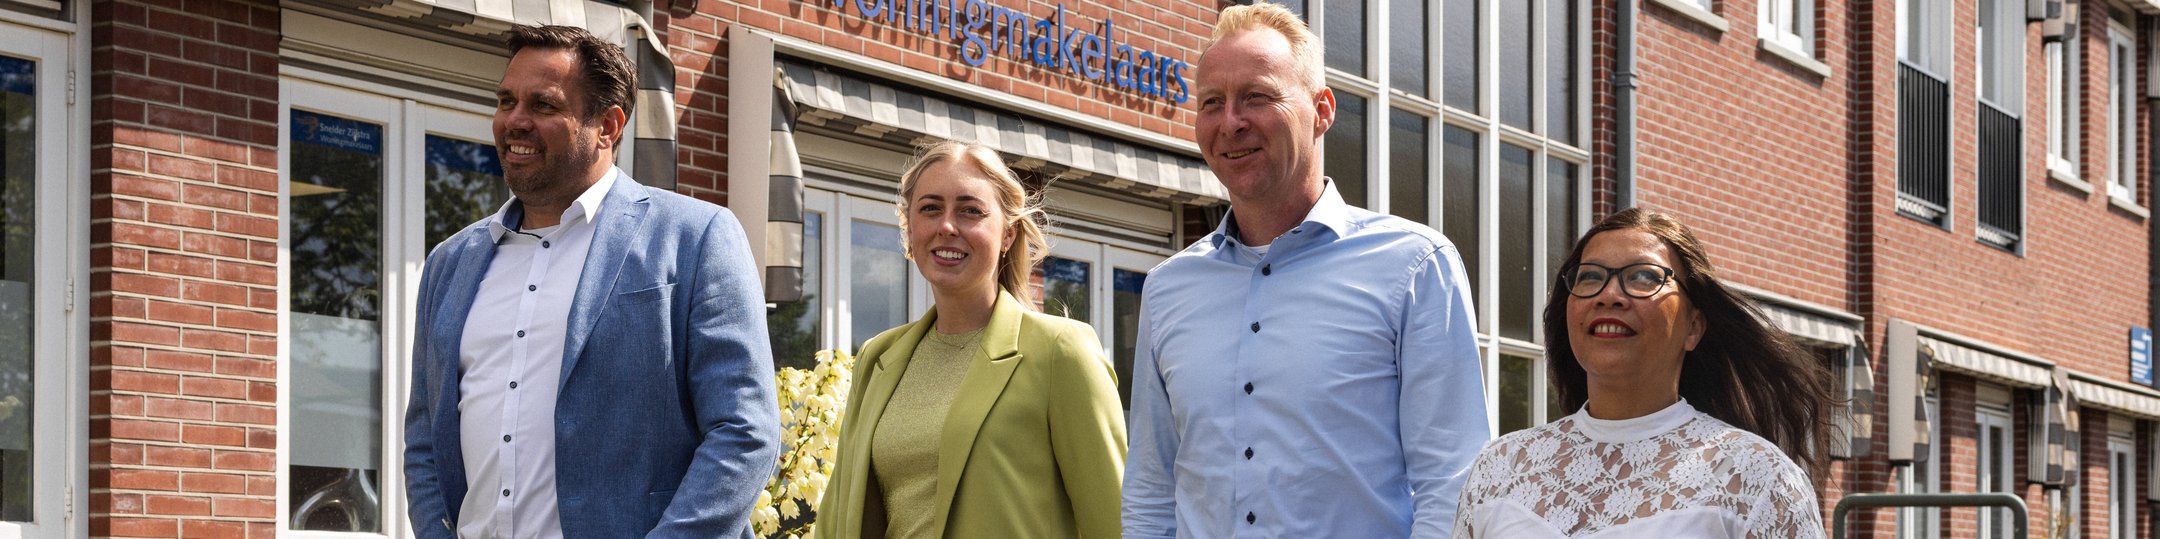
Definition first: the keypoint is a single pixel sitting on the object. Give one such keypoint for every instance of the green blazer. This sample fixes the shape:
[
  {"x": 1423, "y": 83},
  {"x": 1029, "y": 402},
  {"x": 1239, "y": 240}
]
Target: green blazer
[{"x": 1034, "y": 445}]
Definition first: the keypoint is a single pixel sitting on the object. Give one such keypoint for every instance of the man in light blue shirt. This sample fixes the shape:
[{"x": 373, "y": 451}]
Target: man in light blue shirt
[{"x": 1310, "y": 369}]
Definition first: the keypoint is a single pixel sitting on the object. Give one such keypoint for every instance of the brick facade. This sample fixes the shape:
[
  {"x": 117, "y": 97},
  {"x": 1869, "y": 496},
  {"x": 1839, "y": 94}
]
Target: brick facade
[{"x": 184, "y": 249}]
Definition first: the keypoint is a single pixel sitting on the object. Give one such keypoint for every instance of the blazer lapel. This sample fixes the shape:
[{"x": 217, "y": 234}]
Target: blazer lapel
[
  {"x": 622, "y": 212},
  {"x": 986, "y": 377}
]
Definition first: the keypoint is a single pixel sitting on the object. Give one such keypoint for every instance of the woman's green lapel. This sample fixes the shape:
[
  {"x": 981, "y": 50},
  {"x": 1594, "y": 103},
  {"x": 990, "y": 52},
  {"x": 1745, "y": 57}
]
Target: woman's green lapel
[{"x": 987, "y": 374}]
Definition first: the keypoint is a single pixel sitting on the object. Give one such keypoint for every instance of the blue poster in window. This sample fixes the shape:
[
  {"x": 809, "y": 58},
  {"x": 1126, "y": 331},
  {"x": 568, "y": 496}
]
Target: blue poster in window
[
  {"x": 2141, "y": 356},
  {"x": 335, "y": 132}
]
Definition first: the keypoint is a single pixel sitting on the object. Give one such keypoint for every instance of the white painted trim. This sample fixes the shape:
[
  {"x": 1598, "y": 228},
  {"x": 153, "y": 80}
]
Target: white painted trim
[
  {"x": 794, "y": 46},
  {"x": 1783, "y": 51},
  {"x": 58, "y": 403},
  {"x": 1701, "y": 14}
]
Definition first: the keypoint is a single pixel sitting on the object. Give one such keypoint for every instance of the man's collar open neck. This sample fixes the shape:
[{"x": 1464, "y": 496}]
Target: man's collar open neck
[{"x": 1257, "y": 224}]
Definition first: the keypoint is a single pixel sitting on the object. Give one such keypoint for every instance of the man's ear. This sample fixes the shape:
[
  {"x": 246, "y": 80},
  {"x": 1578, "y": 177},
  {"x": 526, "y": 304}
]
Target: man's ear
[
  {"x": 1323, "y": 111},
  {"x": 612, "y": 122}
]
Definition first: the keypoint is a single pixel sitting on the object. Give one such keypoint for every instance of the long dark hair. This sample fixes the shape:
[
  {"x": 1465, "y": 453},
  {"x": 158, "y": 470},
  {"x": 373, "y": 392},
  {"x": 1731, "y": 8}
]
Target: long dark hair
[{"x": 1742, "y": 372}]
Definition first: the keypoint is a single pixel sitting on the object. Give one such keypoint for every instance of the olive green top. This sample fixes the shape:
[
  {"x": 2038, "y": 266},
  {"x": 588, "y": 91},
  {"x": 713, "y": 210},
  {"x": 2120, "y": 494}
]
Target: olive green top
[{"x": 904, "y": 447}]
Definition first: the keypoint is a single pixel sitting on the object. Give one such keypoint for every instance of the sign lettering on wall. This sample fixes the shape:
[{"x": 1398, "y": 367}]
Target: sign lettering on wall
[
  {"x": 2141, "y": 356},
  {"x": 982, "y": 30}
]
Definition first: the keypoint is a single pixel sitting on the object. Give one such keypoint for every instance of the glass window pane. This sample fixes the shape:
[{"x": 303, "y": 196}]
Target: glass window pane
[
  {"x": 1125, "y": 286},
  {"x": 1408, "y": 48},
  {"x": 1459, "y": 45},
  {"x": 1560, "y": 70},
  {"x": 464, "y": 185},
  {"x": 1065, "y": 288},
  {"x": 1516, "y": 394},
  {"x": 1345, "y": 148},
  {"x": 336, "y": 177},
  {"x": 18, "y": 256},
  {"x": 878, "y": 280},
  {"x": 1346, "y": 36},
  {"x": 1409, "y": 174},
  {"x": 1458, "y": 199},
  {"x": 1559, "y": 218},
  {"x": 1296, "y": 6},
  {"x": 1517, "y": 312},
  {"x": 1515, "y": 49},
  {"x": 795, "y": 326}
]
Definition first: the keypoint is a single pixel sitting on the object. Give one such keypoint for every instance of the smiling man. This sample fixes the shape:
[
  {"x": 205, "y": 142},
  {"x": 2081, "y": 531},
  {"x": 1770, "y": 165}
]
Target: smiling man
[
  {"x": 1309, "y": 369},
  {"x": 590, "y": 361}
]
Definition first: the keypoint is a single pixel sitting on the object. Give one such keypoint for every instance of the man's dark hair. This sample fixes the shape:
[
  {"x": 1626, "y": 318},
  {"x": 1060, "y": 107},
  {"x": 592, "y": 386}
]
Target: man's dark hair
[{"x": 608, "y": 77}]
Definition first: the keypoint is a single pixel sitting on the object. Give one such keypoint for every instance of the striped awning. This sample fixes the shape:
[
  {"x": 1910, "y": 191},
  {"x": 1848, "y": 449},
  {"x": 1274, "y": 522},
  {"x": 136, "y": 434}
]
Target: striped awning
[
  {"x": 849, "y": 103},
  {"x": 2115, "y": 396},
  {"x": 1813, "y": 328},
  {"x": 653, "y": 121},
  {"x": 1952, "y": 355}
]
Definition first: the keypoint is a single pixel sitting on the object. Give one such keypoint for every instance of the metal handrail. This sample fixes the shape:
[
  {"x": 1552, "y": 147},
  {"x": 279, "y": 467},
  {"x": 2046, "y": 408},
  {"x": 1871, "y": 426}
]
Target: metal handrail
[{"x": 2015, "y": 504}]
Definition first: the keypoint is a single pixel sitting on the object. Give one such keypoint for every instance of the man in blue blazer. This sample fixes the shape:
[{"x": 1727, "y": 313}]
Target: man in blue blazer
[{"x": 591, "y": 361}]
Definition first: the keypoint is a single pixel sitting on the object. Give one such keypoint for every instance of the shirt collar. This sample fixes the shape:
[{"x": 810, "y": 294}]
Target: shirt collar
[
  {"x": 1329, "y": 212},
  {"x": 584, "y": 207}
]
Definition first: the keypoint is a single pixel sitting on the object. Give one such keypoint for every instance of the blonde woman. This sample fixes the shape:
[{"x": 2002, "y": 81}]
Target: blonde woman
[{"x": 983, "y": 418}]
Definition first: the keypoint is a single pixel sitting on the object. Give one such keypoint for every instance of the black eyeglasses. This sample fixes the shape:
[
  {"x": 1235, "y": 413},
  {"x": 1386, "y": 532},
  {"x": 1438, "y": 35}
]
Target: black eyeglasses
[{"x": 1639, "y": 280}]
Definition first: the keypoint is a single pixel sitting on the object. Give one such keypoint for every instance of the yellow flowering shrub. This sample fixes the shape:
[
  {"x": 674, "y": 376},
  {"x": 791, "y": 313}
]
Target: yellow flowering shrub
[{"x": 810, "y": 406}]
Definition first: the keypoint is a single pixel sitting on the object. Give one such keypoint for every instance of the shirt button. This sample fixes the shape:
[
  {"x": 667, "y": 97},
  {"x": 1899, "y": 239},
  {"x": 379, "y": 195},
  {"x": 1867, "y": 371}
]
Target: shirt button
[
  {"x": 1248, "y": 516},
  {"x": 544, "y": 245},
  {"x": 1268, "y": 269},
  {"x": 1255, "y": 327},
  {"x": 1248, "y": 388},
  {"x": 1248, "y": 450},
  {"x": 529, "y": 288},
  {"x": 513, "y": 385},
  {"x": 521, "y": 333}
]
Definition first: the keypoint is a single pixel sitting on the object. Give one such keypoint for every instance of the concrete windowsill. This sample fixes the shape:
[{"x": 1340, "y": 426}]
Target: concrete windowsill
[
  {"x": 1796, "y": 57},
  {"x": 2061, "y": 173},
  {"x": 1688, "y": 9},
  {"x": 2129, "y": 207}
]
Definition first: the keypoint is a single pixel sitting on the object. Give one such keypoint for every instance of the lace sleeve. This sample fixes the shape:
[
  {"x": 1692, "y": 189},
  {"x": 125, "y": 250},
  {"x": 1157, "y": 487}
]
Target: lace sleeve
[
  {"x": 1477, "y": 487},
  {"x": 1788, "y": 509}
]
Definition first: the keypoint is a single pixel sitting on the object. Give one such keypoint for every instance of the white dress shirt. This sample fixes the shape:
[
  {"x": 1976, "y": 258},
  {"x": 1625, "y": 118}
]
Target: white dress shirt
[{"x": 512, "y": 354}]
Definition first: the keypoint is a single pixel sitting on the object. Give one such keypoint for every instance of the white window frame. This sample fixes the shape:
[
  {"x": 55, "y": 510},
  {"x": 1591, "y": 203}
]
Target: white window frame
[
  {"x": 1916, "y": 522},
  {"x": 1778, "y": 26},
  {"x": 60, "y": 430},
  {"x": 1997, "y": 463},
  {"x": 2122, "y": 471},
  {"x": 2121, "y": 175},
  {"x": 407, "y": 117},
  {"x": 2062, "y": 102}
]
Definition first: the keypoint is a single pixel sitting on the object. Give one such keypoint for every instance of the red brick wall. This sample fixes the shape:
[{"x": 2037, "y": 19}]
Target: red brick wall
[
  {"x": 183, "y": 231},
  {"x": 698, "y": 43}
]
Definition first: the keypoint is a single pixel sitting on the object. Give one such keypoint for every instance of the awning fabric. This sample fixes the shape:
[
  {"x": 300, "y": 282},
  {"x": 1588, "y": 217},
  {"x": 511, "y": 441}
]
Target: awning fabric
[
  {"x": 2115, "y": 396},
  {"x": 1953, "y": 356},
  {"x": 1818, "y": 329},
  {"x": 850, "y": 103}
]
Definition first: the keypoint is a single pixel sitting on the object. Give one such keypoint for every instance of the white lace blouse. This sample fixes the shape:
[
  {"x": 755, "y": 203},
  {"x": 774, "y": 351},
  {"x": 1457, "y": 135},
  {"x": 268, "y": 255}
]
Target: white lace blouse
[{"x": 1677, "y": 473}]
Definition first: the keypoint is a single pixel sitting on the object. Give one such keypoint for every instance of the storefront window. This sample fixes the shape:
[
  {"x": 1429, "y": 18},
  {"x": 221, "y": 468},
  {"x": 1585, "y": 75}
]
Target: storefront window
[
  {"x": 1065, "y": 288},
  {"x": 877, "y": 281},
  {"x": 18, "y": 254},
  {"x": 1125, "y": 289},
  {"x": 336, "y": 185},
  {"x": 464, "y": 185}
]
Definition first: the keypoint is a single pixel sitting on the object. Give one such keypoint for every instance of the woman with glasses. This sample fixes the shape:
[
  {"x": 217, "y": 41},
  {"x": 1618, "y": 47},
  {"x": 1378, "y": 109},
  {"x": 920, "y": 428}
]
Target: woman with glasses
[{"x": 1691, "y": 412}]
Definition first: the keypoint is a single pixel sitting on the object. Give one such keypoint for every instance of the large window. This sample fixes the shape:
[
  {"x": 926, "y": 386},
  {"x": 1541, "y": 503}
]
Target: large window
[
  {"x": 1079, "y": 275},
  {"x": 1997, "y": 459},
  {"x": 1469, "y": 115},
  {"x": 2062, "y": 103},
  {"x": 2122, "y": 115},
  {"x": 355, "y": 236},
  {"x": 40, "y": 337},
  {"x": 1923, "y": 183},
  {"x": 1788, "y": 24},
  {"x": 2000, "y": 74}
]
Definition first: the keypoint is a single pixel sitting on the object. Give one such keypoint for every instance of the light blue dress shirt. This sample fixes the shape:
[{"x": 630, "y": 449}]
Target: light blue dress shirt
[{"x": 1329, "y": 388}]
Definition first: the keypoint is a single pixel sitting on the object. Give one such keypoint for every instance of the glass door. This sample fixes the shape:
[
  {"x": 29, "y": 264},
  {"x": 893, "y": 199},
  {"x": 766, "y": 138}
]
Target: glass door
[{"x": 38, "y": 239}]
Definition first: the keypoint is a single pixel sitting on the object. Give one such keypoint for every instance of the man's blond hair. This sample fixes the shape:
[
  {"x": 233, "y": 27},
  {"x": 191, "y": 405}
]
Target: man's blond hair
[{"x": 1304, "y": 46}]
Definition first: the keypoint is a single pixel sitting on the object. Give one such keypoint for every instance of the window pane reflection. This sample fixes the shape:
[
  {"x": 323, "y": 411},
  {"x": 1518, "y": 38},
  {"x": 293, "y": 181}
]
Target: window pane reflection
[
  {"x": 1125, "y": 307},
  {"x": 1458, "y": 200},
  {"x": 878, "y": 290},
  {"x": 1459, "y": 47},
  {"x": 1409, "y": 173},
  {"x": 1065, "y": 288},
  {"x": 336, "y": 182},
  {"x": 464, "y": 185},
  {"x": 1560, "y": 70},
  {"x": 18, "y": 256},
  {"x": 1515, "y": 50},
  {"x": 1516, "y": 252},
  {"x": 1346, "y": 36},
  {"x": 1516, "y": 394},
  {"x": 795, "y": 326},
  {"x": 1345, "y": 149},
  {"x": 1408, "y": 47}
]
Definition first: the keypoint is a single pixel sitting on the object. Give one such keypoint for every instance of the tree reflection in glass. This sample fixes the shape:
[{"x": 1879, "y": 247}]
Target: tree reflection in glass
[{"x": 336, "y": 181}]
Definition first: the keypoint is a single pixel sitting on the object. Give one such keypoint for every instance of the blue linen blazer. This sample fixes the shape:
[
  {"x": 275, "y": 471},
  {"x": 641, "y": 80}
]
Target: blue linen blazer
[{"x": 666, "y": 424}]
